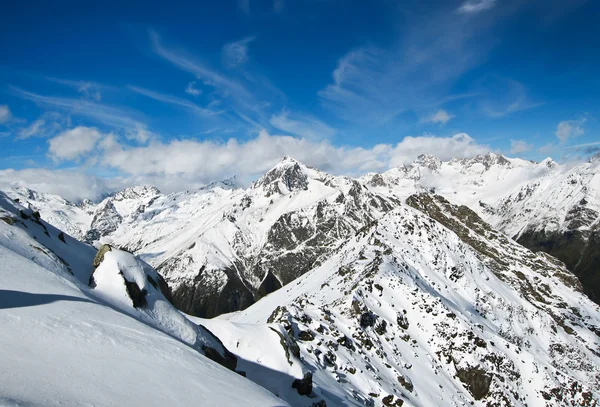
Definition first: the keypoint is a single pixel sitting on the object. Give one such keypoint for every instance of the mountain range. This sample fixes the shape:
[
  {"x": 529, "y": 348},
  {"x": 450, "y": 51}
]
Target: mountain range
[{"x": 435, "y": 283}]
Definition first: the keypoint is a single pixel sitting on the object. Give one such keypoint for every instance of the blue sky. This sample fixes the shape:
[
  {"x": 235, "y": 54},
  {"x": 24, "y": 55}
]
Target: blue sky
[{"x": 95, "y": 97}]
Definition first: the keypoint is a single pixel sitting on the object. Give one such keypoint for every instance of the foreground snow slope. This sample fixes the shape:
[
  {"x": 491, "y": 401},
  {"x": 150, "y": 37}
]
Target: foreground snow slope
[
  {"x": 66, "y": 344},
  {"x": 423, "y": 312}
]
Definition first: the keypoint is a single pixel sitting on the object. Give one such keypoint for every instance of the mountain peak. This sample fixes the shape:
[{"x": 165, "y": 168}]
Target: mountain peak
[
  {"x": 289, "y": 172},
  {"x": 137, "y": 192},
  {"x": 429, "y": 161}
]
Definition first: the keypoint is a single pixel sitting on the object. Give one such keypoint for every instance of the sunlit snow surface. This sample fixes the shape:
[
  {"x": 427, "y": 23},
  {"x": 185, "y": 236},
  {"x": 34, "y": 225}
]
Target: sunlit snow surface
[{"x": 60, "y": 344}]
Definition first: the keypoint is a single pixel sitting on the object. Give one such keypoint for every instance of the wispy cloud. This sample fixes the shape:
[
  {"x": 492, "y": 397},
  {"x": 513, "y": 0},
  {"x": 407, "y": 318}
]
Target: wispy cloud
[
  {"x": 301, "y": 125},
  {"x": 209, "y": 76},
  {"x": 191, "y": 89},
  {"x": 476, "y": 6},
  {"x": 439, "y": 117},
  {"x": 101, "y": 113},
  {"x": 236, "y": 53},
  {"x": 244, "y": 5},
  {"x": 89, "y": 90},
  {"x": 245, "y": 93},
  {"x": 503, "y": 96},
  {"x": 47, "y": 125},
  {"x": 373, "y": 85},
  {"x": 569, "y": 129},
  {"x": 278, "y": 6},
  {"x": 5, "y": 114},
  {"x": 173, "y": 100}
]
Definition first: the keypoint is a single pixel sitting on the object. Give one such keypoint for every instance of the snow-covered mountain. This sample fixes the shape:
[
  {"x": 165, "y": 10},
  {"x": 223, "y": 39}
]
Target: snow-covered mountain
[
  {"x": 431, "y": 306},
  {"x": 374, "y": 292},
  {"x": 544, "y": 206},
  {"x": 73, "y": 334},
  {"x": 223, "y": 247}
]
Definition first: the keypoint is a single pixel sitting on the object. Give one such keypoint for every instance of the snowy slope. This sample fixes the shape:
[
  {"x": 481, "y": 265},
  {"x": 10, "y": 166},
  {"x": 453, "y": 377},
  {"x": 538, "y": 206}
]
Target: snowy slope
[
  {"x": 410, "y": 312},
  {"x": 57, "y": 211},
  {"x": 66, "y": 344}
]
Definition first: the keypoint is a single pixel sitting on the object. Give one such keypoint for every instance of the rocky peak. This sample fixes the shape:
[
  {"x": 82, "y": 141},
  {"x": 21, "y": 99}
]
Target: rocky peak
[
  {"x": 140, "y": 191},
  {"x": 490, "y": 159},
  {"x": 429, "y": 161},
  {"x": 595, "y": 158},
  {"x": 549, "y": 162},
  {"x": 288, "y": 173},
  {"x": 106, "y": 220}
]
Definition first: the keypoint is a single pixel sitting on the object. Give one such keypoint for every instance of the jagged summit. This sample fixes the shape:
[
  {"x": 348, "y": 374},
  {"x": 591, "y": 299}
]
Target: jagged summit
[
  {"x": 548, "y": 162},
  {"x": 428, "y": 160},
  {"x": 137, "y": 191},
  {"x": 286, "y": 176}
]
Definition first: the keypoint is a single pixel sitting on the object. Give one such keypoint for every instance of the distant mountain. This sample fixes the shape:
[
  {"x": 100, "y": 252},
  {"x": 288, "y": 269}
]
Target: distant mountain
[
  {"x": 544, "y": 206},
  {"x": 248, "y": 242}
]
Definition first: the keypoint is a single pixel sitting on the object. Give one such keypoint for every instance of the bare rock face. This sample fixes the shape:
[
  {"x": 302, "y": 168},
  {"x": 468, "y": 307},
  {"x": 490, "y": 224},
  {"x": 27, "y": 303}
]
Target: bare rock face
[
  {"x": 106, "y": 220},
  {"x": 304, "y": 386},
  {"x": 105, "y": 248}
]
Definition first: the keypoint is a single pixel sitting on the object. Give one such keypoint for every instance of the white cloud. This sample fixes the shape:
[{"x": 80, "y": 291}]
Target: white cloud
[
  {"x": 476, "y": 6},
  {"x": 178, "y": 165},
  {"x": 520, "y": 146},
  {"x": 74, "y": 184},
  {"x": 460, "y": 145},
  {"x": 191, "y": 89},
  {"x": 440, "y": 117},
  {"x": 569, "y": 129},
  {"x": 301, "y": 125},
  {"x": 236, "y": 53},
  {"x": 74, "y": 143},
  {"x": 198, "y": 162},
  {"x": 233, "y": 88},
  {"x": 5, "y": 114}
]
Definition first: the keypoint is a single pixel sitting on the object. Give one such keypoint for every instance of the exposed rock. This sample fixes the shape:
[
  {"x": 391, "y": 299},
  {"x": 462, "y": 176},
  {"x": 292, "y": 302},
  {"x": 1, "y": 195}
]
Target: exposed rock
[
  {"x": 367, "y": 319},
  {"x": 105, "y": 248},
  {"x": 476, "y": 380},
  {"x": 269, "y": 284},
  {"x": 303, "y": 386},
  {"x": 389, "y": 401},
  {"x": 306, "y": 336},
  {"x": 137, "y": 295}
]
